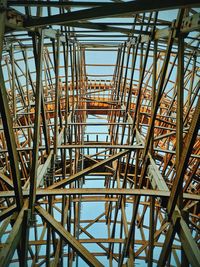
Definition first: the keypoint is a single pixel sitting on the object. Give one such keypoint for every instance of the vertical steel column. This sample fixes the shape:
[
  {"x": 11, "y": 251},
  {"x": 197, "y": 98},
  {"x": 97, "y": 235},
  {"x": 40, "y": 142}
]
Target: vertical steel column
[
  {"x": 154, "y": 80},
  {"x": 179, "y": 125},
  {"x": 36, "y": 139},
  {"x": 152, "y": 199},
  {"x": 8, "y": 126},
  {"x": 57, "y": 93},
  {"x": 13, "y": 81},
  {"x": 43, "y": 109},
  {"x": 145, "y": 159},
  {"x": 51, "y": 176},
  {"x": 151, "y": 231}
]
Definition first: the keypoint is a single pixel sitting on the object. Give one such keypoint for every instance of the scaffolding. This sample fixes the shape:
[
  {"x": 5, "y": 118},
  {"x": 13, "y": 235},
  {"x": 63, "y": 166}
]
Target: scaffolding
[{"x": 99, "y": 133}]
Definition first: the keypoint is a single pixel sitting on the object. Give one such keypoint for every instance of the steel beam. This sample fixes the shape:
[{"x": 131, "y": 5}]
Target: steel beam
[
  {"x": 80, "y": 174},
  {"x": 13, "y": 239},
  {"x": 38, "y": 97},
  {"x": 110, "y": 10},
  {"x": 103, "y": 191},
  {"x": 68, "y": 238},
  {"x": 7, "y": 124},
  {"x": 148, "y": 103},
  {"x": 190, "y": 139}
]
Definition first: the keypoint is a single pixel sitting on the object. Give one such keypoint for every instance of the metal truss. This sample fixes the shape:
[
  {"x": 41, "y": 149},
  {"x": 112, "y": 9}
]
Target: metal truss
[{"x": 99, "y": 133}]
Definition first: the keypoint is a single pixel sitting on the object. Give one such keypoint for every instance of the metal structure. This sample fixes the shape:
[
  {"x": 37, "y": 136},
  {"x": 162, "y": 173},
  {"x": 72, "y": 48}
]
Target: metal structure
[{"x": 99, "y": 133}]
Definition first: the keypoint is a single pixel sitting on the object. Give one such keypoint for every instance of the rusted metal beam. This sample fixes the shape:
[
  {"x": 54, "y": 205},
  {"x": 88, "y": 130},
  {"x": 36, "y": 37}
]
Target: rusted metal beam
[
  {"x": 7, "y": 124},
  {"x": 190, "y": 139},
  {"x": 80, "y": 174},
  {"x": 102, "y": 191},
  {"x": 68, "y": 238},
  {"x": 110, "y": 10},
  {"x": 38, "y": 95},
  {"x": 13, "y": 239}
]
